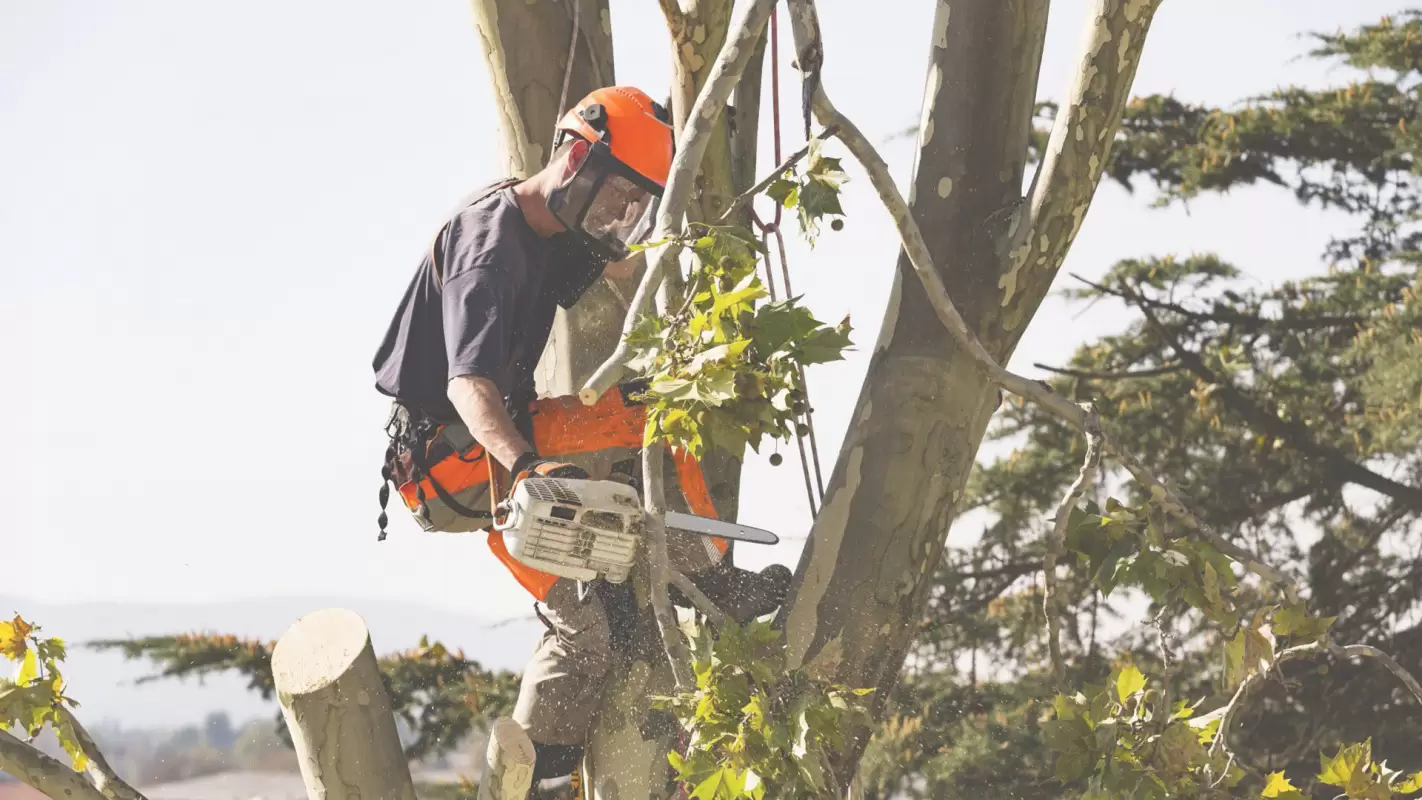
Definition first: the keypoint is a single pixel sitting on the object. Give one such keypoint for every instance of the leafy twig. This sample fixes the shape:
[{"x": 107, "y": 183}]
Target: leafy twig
[{"x": 745, "y": 197}]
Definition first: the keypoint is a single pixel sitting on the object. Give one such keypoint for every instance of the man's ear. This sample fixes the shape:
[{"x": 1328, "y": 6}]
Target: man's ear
[{"x": 578, "y": 150}]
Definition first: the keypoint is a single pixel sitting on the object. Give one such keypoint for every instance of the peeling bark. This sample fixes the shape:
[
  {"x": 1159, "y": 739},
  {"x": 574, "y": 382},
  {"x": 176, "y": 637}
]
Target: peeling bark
[{"x": 1076, "y": 154}]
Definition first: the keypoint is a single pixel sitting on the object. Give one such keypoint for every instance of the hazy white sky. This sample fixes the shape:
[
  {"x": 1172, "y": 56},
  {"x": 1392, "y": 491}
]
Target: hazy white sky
[{"x": 208, "y": 212}]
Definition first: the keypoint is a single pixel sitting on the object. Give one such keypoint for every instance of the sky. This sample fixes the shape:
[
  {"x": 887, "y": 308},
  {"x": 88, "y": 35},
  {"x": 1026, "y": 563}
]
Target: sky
[{"x": 208, "y": 212}]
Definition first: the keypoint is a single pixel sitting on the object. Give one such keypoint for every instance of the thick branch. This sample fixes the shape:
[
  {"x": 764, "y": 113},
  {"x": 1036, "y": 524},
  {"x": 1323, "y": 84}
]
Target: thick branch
[
  {"x": 1051, "y": 604},
  {"x": 922, "y": 262},
  {"x": 46, "y": 774},
  {"x": 654, "y": 503},
  {"x": 1269, "y": 421},
  {"x": 103, "y": 776},
  {"x": 1080, "y": 145},
  {"x": 726, "y": 73}
]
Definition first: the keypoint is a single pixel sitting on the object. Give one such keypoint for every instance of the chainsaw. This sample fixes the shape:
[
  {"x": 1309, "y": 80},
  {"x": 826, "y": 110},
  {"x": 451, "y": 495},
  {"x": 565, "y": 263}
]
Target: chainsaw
[{"x": 585, "y": 529}]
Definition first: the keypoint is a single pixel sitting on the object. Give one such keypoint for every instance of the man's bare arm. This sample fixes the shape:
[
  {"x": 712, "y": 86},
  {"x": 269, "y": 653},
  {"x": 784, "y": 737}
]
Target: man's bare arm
[{"x": 481, "y": 406}]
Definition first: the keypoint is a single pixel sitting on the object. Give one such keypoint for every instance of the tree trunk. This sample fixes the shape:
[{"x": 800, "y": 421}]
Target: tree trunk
[
  {"x": 334, "y": 702},
  {"x": 526, "y": 45},
  {"x": 864, "y": 576}
]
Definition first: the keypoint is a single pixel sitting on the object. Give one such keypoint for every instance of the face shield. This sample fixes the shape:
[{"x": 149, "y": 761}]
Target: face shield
[{"x": 605, "y": 201}]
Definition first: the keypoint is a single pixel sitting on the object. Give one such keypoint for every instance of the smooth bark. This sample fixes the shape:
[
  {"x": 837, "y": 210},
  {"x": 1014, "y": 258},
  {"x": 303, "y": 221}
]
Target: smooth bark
[{"x": 864, "y": 576}]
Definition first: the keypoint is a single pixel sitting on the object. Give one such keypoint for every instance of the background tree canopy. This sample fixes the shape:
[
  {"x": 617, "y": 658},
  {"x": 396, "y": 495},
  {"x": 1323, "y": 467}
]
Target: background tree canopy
[{"x": 1288, "y": 416}]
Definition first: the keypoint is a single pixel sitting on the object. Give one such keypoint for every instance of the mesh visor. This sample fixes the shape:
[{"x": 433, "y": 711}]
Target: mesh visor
[{"x": 620, "y": 212}]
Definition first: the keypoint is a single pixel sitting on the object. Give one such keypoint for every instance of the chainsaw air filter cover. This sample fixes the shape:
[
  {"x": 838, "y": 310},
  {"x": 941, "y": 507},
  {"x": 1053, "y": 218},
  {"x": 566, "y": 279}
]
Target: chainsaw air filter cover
[{"x": 574, "y": 529}]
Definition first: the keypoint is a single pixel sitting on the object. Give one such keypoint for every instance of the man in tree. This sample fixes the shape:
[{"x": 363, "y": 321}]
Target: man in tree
[{"x": 459, "y": 359}]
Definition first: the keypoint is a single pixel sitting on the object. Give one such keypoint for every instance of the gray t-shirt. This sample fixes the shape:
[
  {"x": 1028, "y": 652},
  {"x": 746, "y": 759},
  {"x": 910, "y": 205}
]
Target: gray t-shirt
[{"x": 502, "y": 282}]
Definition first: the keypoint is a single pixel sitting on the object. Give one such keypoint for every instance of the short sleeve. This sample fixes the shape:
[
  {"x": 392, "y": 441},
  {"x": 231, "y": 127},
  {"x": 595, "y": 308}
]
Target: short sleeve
[{"x": 478, "y": 331}]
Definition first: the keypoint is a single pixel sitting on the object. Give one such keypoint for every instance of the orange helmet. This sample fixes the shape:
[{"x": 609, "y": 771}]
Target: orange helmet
[
  {"x": 615, "y": 170},
  {"x": 633, "y": 126}
]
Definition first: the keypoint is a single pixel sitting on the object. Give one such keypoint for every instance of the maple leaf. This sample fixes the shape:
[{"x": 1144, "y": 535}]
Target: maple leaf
[{"x": 12, "y": 638}]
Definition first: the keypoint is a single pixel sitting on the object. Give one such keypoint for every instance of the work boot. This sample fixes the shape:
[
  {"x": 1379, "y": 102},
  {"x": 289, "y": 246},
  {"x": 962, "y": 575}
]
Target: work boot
[
  {"x": 742, "y": 594},
  {"x": 509, "y": 773}
]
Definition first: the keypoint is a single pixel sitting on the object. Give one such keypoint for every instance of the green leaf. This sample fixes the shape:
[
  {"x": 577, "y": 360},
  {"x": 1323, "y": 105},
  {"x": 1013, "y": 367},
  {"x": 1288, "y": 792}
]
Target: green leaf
[
  {"x": 1412, "y": 784},
  {"x": 69, "y": 740},
  {"x": 1129, "y": 682},
  {"x": 13, "y": 634},
  {"x": 1278, "y": 786},
  {"x": 711, "y": 787},
  {"x": 746, "y": 291},
  {"x": 1071, "y": 766},
  {"x": 1294, "y": 620},
  {"x": 783, "y": 192},
  {"x": 29, "y": 668},
  {"x": 1345, "y": 767},
  {"x": 1250, "y": 651}
]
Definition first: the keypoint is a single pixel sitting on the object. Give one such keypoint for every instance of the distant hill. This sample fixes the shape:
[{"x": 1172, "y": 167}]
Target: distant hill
[{"x": 104, "y": 683}]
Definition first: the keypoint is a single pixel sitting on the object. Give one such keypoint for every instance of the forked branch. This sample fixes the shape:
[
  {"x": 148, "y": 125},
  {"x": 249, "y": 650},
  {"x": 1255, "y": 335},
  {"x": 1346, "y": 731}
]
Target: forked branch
[
  {"x": 922, "y": 261},
  {"x": 807, "y": 40}
]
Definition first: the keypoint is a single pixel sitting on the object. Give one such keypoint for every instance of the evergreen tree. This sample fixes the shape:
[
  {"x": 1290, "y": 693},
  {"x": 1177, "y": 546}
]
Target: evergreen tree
[{"x": 1289, "y": 416}]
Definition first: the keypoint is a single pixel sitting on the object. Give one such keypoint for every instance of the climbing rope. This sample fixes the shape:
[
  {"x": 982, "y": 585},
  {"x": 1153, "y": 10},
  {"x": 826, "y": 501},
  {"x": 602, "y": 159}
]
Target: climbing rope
[{"x": 805, "y": 426}]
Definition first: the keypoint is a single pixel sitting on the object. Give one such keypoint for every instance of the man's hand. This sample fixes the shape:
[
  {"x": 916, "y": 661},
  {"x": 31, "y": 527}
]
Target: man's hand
[
  {"x": 481, "y": 406},
  {"x": 532, "y": 465}
]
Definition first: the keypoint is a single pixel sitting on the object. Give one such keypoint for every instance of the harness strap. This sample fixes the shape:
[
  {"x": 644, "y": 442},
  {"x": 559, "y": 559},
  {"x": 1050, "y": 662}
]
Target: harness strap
[
  {"x": 410, "y": 437},
  {"x": 459, "y": 508}
]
